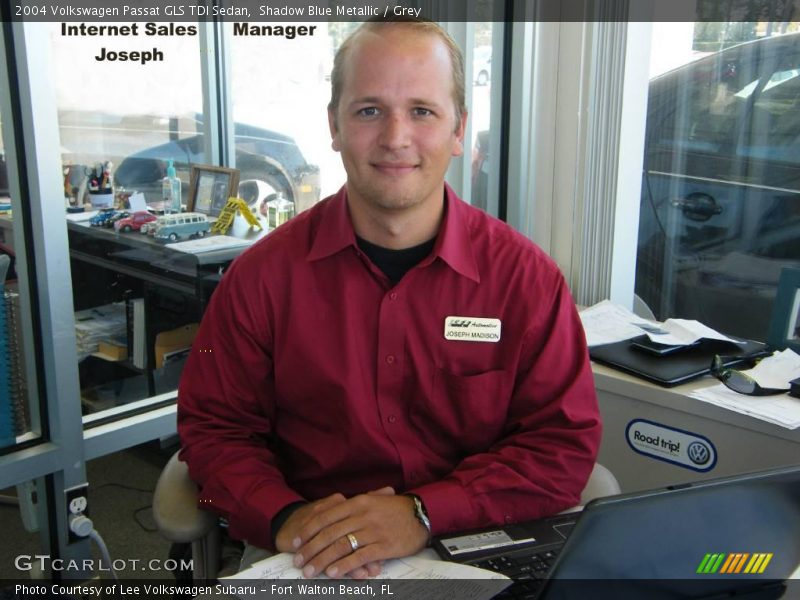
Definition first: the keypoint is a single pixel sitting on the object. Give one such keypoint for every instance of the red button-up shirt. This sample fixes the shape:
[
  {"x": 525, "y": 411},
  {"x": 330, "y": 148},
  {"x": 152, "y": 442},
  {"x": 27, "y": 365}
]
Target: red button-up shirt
[{"x": 311, "y": 375}]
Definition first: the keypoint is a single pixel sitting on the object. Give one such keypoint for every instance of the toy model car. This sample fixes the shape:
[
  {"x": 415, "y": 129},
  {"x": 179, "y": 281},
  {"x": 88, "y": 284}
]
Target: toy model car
[
  {"x": 111, "y": 222},
  {"x": 100, "y": 219},
  {"x": 181, "y": 226},
  {"x": 134, "y": 222}
]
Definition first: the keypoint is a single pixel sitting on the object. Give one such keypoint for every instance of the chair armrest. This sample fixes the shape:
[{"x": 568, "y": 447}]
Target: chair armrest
[
  {"x": 175, "y": 505},
  {"x": 601, "y": 483}
]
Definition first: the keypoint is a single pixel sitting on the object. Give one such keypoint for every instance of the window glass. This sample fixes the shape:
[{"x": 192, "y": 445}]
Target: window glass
[
  {"x": 720, "y": 204},
  {"x": 481, "y": 111},
  {"x": 121, "y": 123},
  {"x": 287, "y": 99},
  {"x": 280, "y": 91}
]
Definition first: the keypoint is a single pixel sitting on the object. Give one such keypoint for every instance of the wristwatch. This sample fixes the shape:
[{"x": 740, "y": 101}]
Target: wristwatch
[{"x": 421, "y": 514}]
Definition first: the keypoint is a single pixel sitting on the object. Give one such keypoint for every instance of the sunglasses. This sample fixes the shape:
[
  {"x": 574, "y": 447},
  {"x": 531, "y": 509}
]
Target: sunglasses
[{"x": 740, "y": 382}]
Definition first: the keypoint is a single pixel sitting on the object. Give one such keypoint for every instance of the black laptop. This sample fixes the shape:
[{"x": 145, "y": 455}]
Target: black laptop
[{"x": 736, "y": 537}]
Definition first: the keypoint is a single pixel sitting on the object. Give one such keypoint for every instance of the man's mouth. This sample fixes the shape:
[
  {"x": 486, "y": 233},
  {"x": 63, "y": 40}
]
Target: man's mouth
[{"x": 393, "y": 168}]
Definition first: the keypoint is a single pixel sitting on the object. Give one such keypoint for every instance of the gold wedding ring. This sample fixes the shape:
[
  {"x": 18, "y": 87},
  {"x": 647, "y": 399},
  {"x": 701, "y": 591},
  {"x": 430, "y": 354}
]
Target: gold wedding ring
[{"x": 353, "y": 541}]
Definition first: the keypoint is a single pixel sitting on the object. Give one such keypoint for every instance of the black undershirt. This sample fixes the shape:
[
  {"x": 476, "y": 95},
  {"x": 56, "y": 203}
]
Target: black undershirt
[{"x": 395, "y": 263}]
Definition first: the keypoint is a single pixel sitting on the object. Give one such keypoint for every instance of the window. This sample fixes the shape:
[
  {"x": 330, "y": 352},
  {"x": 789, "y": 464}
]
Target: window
[
  {"x": 720, "y": 204},
  {"x": 288, "y": 98},
  {"x": 483, "y": 98},
  {"x": 121, "y": 123}
]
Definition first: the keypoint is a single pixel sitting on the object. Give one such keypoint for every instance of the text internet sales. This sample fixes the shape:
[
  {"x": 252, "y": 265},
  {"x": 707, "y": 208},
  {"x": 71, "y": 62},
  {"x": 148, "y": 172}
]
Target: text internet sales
[{"x": 338, "y": 11}]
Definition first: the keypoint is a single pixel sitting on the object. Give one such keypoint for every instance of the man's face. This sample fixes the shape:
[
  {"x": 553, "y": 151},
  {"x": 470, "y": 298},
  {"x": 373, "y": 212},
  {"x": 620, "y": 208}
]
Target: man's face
[{"x": 396, "y": 124}]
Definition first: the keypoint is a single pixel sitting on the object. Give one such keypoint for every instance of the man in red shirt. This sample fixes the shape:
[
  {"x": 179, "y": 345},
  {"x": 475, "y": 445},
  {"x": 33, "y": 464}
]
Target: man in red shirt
[{"x": 393, "y": 363}]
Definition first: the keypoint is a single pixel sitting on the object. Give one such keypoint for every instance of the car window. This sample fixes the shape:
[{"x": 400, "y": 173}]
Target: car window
[
  {"x": 720, "y": 205},
  {"x": 772, "y": 131}
]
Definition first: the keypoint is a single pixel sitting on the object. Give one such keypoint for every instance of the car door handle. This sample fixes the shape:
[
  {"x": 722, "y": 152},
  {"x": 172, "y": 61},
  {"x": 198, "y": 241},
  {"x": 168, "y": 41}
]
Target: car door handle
[{"x": 697, "y": 206}]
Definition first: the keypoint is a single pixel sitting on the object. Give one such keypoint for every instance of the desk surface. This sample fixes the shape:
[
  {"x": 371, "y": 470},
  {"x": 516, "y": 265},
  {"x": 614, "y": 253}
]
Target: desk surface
[
  {"x": 146, "y": 243},
  {"x": 677, "y": 398},
  {"x": 142, "y": 256}
]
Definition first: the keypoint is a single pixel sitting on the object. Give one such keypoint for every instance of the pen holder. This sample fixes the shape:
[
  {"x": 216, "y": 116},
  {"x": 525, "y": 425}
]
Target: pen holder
[{"x": 102, "y": 199}]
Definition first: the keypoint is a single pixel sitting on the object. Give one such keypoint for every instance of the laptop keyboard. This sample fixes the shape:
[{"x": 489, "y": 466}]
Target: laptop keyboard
[{"x": 528, "y": 570}]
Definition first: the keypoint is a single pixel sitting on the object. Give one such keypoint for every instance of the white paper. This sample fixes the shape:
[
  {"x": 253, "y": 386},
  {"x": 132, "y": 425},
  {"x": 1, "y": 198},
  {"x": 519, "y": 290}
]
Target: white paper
[
  {"x": 459, "y": 581},
  {"x": 683, "y": 332},
  {"x": 210, "y": 244},
  {"x": 81, "y": 216},
  {"x": 775, "y": 372},
  {"x": 137, "y": 202},
  {"x": 606, "y": 322}
]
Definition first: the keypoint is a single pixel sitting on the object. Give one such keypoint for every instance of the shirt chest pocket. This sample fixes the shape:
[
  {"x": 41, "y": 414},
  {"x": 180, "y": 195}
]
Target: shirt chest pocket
[{"x": 465, "y": 411}]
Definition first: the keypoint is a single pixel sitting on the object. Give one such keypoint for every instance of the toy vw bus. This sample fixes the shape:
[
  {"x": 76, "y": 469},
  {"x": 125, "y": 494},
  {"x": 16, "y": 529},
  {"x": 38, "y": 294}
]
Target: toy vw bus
[{"x": 181, "y": 226}]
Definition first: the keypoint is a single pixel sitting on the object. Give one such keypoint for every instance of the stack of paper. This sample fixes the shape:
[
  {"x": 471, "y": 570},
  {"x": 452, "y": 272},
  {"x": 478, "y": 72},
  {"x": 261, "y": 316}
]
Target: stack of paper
[
  {"x": 210, "y": 244},
  {"x": 606, "y": 323},
  {"x": 95, "y": 324},
  {"x": 419, "y": 578},
  {"x": 773, "y": 372}
]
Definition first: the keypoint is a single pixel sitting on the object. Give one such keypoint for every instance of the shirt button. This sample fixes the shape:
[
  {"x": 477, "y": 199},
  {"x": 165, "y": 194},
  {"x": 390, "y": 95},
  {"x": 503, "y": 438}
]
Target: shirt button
[
  {"x": 393, "y": 295},
  {"x": 509, "y": 519},
  {"x": 390, "y": 359},
  {"x": 392, "y": 419}
]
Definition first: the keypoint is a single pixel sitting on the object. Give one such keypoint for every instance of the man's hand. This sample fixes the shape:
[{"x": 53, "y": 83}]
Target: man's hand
[
  {"x": 291, "y": 528},
  {"x": 383, "y": 524}
]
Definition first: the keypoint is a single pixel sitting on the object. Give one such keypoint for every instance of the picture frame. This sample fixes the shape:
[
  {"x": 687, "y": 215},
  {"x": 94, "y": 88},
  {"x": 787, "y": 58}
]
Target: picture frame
[
  {"x": 784, "y": 330},
  {"x": 210, "y": 187}
]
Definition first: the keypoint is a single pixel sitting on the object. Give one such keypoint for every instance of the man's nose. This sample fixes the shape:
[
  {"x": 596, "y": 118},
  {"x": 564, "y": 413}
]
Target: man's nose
[{"x": 396, "y": 132}]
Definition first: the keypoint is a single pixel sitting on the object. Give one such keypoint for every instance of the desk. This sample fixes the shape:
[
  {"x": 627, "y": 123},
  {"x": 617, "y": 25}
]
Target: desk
[
  {"x": 143, "y": 257},
  {"x": 741, "y": 443}
]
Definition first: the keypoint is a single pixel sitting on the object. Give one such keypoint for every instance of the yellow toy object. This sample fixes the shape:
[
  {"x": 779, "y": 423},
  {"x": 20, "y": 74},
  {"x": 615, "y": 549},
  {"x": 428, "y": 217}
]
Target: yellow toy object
[{"x": 225, "y": 219}]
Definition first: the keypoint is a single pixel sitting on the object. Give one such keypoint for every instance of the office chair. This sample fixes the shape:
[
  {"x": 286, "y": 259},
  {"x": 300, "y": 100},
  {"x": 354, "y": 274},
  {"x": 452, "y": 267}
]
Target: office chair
[{"x": 180, "y": 520}]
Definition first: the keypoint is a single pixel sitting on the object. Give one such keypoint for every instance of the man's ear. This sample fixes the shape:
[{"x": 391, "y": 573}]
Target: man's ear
[
  {"x": 334, "y": 127},
  {"x": 458, "y": 144}
]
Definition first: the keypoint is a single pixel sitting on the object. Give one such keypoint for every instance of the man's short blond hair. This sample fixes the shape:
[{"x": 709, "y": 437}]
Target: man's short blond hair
[{"x": 415, "y": 26}]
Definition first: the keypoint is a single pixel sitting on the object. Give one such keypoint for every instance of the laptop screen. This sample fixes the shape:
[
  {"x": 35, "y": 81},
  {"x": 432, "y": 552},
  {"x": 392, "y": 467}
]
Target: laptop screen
[{"x": 696, "y": 540}]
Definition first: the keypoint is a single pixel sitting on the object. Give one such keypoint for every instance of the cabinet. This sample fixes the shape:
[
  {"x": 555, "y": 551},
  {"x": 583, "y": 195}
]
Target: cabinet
[{"x": 173, "y": 288}]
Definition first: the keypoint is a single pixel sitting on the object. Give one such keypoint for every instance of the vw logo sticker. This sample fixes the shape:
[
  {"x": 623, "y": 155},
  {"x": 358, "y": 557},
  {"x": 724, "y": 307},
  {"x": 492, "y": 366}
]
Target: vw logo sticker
[{"x": 668, "y": 444}]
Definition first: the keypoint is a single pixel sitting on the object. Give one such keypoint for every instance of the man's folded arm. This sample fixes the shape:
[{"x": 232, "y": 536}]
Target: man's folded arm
[
  {"x": 225, "y": 416},
  {"x": 542, "y": 461}
]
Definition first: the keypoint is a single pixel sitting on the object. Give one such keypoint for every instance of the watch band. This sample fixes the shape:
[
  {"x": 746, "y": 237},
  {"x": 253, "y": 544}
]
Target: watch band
[{"x": 421, "y": 514}]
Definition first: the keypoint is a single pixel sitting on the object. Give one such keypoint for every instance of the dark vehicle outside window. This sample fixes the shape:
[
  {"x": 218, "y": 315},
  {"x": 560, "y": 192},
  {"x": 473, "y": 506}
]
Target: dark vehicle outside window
[
  {"x": 262, "y": 157},
  {"x": 268, "y": 161},
  {"x": 720, "y": 210}
]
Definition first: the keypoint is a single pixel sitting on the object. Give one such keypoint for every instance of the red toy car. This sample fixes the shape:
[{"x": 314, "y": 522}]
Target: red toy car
[{"x": 134, "y": 222}]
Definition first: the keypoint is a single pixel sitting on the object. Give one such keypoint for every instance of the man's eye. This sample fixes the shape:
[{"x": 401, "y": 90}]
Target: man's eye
[
  {"x": 369, "y": 111},
  {"x": 422, "y": 112}
]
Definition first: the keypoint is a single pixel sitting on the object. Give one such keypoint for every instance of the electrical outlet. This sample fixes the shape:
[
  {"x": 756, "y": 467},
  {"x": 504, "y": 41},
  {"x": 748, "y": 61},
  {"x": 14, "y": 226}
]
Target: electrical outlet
[
  {"x": 77, "y": 501},
  {"x": 77, "y": 506}
]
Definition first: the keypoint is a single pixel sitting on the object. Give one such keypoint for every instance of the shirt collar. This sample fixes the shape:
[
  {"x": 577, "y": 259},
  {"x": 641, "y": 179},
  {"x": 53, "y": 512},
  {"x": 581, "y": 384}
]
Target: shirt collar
[
  {"x": 453, "y": 242},
  {"x": 334, "y": 229}
]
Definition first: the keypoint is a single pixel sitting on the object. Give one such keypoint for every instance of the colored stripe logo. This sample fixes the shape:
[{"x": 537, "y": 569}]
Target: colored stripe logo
[{"x": 734, "y": 563}]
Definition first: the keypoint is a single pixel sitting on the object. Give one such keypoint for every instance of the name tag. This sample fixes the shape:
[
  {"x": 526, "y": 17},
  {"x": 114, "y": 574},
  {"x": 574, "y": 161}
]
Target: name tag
[{"x": 472, "y": 329}]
